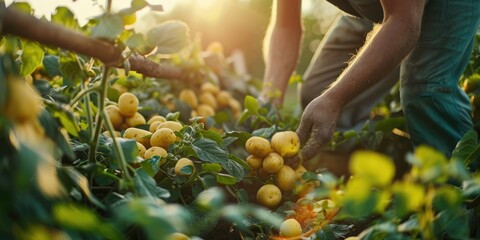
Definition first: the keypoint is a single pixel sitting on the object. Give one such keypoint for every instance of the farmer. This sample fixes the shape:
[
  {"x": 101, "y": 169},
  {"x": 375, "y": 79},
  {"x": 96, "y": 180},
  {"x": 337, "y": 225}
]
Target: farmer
[{"x": 424, "y": 43}]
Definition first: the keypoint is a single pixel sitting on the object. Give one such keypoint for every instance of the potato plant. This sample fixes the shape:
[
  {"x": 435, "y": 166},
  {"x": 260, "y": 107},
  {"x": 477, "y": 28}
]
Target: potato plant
[{"x": 135, "y": 146}]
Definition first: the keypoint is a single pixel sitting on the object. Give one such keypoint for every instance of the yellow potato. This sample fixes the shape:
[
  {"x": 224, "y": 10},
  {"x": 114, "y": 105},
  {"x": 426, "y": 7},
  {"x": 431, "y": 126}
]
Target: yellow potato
[
  {"x": 156, "y": 151},
  {"x": 254, "y": 162},
  {"x": 128, "y": 104},
  {"x": 139, "y": 135},
  {"x": 23, "y": 102},
  {"x": 258, "y": 146},
  {"x": 209, "y": 99},
  {"x": 175, "y": 126},
  {"x": 182, "y": 162},
  {"x": 210, "y": 87},
  {"x": 153, "y": 126},
  {"x": 141, "y": 150},
  {"x": 114, "y": 115},
  {"x": 135, "y": 120},
  {"x": 290, "y": 228},
  {"x": 286, "y": 143},
  {"x": 156, "y": 118},
  {"x": 163, "y": 137},
  {"x": 272, "y": 163},
  {"x": 116, "y": 134},
  {"x": 205, "y": 110},
  {"x": 236, "y": 107},
  {"x": 189, "y": 97},
  {"x": 223, "y": 98},
  {"x": 285, "y": 178},
  {"x": 269, "y": 195}
]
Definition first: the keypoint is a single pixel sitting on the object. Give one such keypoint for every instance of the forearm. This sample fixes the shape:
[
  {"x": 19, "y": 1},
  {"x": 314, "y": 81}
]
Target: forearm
[
  {"x": 281, "y": 57},
  {"x": 382, "y": 53},
  {"x": 281, "y": 48}
]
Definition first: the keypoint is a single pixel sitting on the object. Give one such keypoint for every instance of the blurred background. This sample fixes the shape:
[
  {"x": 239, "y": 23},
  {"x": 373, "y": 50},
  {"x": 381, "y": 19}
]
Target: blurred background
[{"x": 237, "y": 24}]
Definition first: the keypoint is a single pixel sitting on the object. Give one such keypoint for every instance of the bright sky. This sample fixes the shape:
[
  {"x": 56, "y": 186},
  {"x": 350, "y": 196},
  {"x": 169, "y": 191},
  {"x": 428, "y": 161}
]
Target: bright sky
[{"x": 85, "y": 9}]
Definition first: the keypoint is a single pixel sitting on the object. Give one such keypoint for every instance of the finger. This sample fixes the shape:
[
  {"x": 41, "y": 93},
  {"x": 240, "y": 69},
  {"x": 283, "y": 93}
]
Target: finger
[
  {"x": 303, "y": 130},
  {"x": 293, "y": 162},
  {"x": 313, "y": 146}
]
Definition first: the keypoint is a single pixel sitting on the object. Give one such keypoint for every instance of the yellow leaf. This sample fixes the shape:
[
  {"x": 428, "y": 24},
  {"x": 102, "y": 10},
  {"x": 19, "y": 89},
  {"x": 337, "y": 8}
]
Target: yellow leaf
[{"x": 376, "y": 168}]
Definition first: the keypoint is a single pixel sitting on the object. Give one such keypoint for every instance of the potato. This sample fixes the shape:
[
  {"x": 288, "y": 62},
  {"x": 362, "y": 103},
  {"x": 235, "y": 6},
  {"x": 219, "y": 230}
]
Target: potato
[
  {"x": 189, "y": 97},
  {"x": 141, "y": 149},
  {"x": 205, "y": 110},
  {"x": 286, "y": 143},
  {"x": 23, "y": 102},
  {"x": 135, "y": 120},
  {"x": 116, "y": 133},
  {"x": 156, "y": 151},
  {"x": 236, "y": 107},
  {"x": 290, "y": 228},
  {"x": 273, "y": 162},
  {"x": 210, "y": 87},
  {"x": 299, "y": 171},
  {"x": 285, "y": 178},
  {"x": 139, "y": 135},
  {"x": 153, "y": 126},
  {"x": 258, "y": 146},
  {"x": 156, "y": 118},
  {"x": 223, "y": 99},
  {"x": 128, "y": 104},
  {"x": 269, "y": 195},
  {"x": 175, "y": 126},
  {"x": 208, "y": 99},
  {"x": 254, "y": 162},
  {"x": 182, "y": 162},
  {"x": 114, "y": 115},
  {"x": 163, "y": 137}
]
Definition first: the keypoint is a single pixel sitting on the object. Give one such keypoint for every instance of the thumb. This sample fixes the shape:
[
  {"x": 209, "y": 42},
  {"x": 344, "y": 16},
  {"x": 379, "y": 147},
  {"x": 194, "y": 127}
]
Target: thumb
[{"x": 304, "y": 130}]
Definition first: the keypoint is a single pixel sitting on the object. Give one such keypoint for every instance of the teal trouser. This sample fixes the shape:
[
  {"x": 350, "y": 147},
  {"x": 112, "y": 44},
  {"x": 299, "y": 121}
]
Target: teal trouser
[{"x": 436, "y": 109}]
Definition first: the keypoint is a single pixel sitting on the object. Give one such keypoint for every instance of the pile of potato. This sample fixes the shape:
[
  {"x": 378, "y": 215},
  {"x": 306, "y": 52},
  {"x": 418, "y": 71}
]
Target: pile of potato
[{"x": 267, "y": 159}]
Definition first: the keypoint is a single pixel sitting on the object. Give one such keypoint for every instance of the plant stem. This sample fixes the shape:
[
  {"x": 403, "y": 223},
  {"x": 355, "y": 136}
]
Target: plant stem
[{"x": 83, "y": 92}]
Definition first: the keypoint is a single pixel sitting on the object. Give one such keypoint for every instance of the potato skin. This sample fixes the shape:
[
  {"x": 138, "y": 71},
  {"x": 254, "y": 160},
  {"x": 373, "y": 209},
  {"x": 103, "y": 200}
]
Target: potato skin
[
  {"x": 156, "y": 151},
  {"x": 258, "y": 146},
  {"x": 114, "y": 115},
  {"x": 163, "y": 137},
  {"x": 135, "y": 120},
  {"x": 139, "y": 135},
  {"x": 189, "y": 97},
  {"x": 182, "y": 162},
  {"x": 128, "y": 104}
]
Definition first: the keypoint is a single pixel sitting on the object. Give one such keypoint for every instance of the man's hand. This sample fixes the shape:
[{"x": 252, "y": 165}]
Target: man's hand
[{"x": 316, "y": 127}]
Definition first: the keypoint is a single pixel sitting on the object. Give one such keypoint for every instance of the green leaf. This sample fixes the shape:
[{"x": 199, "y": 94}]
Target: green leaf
[
  {"x": 471, "y": 188},
  {"x": 109, "y": 27},
  {"x": 75, "y": 217},
  {"x": 138, "y": 42},
  {"x": 82, "y": 182},
  {"x": 169, "y": 37},
  {"x": 129, "y": 147},
  {"x": 147, "y": 186},
  {"x": 186, "y": 170},
  {"x": 209, "y": 151},
  {"x": 234, "y": 168},
  {"x": 366, "y": 164},
  {"x": 51, "y": 65},
  {"x": 295, "y": 78},
  {"x": 212, "y": 167},
  {"x": 226, "y": 179},
  {"x": 172, "y": 116},
  {"x": 138, "y": 4},
  {"x": 65, "y": 17},
  {"x": 70, "y": 68},
  {"x": 446, "y": 197},
  {"x": 52, "y": 130},
  {"x": 466, "y": 146},
  {"x": 152, "y": 165},
  {"x": 22, "y": 6},
  {"x": 251, "y": 104},
  {"x": 67, "y": 121},
  {"x": 210, "y": 134},
  {"x": 32, "y": 56},
  {"x": 265, "y": 132},
  {"x": 212, "y": 198}
]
